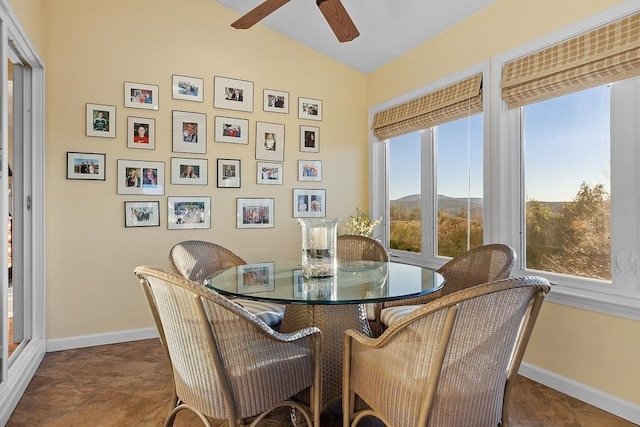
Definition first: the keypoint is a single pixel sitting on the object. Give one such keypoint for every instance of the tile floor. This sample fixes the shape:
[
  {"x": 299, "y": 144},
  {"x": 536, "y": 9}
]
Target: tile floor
[{"x": 128, "y": 384}]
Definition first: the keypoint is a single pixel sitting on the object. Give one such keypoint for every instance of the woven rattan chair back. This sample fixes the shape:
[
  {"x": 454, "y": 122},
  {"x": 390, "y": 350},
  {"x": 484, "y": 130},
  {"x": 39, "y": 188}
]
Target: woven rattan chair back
[
  {"x": 478, "y": 265},
  {"x": 351, "y": 247},
  {"x": 198, "y": 259},
  {"x": 450, "y": 363},
  {"x": 222, "y": 356}
]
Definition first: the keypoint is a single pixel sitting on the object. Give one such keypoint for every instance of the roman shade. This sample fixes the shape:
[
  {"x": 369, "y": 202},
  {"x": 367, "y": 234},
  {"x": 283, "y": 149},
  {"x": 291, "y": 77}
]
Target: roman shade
[
  {"x": 452, "y": 102},
  {"x": 603, "y": 55}
]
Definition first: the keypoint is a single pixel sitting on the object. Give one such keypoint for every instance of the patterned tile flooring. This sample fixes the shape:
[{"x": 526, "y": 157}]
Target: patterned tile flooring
[{"x": 128, "y": 384}]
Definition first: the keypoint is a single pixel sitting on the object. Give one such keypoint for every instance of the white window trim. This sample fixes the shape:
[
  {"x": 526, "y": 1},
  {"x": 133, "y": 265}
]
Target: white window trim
[
  {"x": 619, "y": 299},
  {"x": 378, "y": 178}
]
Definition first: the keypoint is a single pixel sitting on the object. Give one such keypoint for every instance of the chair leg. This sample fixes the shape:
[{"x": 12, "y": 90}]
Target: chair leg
[{"x": 172, "y": 416}]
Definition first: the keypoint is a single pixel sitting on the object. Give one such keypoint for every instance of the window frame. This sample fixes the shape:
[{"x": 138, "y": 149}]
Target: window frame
[
  {"x": 378, "y": 174},
  {"x": 619, "y": 297},
  {"x": 503, "y": 210}
]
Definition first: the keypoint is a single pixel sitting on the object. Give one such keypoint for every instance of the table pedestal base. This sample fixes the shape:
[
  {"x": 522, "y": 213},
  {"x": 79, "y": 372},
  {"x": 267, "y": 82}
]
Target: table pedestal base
[{"x": 332, "y": 320}]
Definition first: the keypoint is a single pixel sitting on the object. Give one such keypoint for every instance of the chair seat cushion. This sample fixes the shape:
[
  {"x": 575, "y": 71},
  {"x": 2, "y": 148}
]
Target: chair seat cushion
[
  {"x": 392, "y": 314},
  {"x": 269, "y": 312}
]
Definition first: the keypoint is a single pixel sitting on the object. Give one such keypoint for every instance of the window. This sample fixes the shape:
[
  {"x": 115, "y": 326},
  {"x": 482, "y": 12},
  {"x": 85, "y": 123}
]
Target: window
[{"x": 567, "y": 203}]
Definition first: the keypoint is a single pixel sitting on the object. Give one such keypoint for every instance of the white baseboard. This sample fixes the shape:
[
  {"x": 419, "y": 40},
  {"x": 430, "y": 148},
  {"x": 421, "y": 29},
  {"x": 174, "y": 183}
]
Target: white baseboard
[
  {"x": 597, "y": 398},
  {"x": 59, "y": 344}
]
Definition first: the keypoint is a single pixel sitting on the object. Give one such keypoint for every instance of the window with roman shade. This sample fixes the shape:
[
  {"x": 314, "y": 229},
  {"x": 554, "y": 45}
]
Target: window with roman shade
[
  {"x": 604, "y": 55},
  {"x": 452, "y": 102}
]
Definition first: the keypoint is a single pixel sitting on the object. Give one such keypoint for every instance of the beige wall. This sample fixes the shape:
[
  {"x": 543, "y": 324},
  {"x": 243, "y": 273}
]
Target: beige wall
[
  {"x": 594, "y": 349},
  {"x": 93, "y": 47}
]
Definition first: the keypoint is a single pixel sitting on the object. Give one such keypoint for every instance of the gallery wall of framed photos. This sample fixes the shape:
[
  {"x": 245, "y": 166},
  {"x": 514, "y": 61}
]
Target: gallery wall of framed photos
[{"x": 194, "y": 127}]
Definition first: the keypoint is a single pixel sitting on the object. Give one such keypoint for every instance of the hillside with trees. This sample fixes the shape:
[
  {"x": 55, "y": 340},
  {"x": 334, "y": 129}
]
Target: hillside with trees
[{"x": 571, "y": 237}]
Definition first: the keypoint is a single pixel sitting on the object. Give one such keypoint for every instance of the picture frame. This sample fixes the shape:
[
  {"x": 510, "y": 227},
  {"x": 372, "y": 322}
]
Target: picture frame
[
  {"x": 275, "y": 101},
  {"x": 270, "y": 173},
  {"x": 255, "y": 213},
  {"x": 101, "y": 120},
  {"x": 232, "y": 94},
  {"x": 86, "y": 166},
  {"x": 229, "y": 173},
  {"x": 309, "y": 203},
  {"x": 298, "y": 284},
  {"x": 270, "y": 141},
  {"x": 189, "y": 171},
  {"x": 309, "y": 109},
  {"x": 310, "y": 139},
  {"x": 141, "y": 133},
  {"x": 231, "y": 130},
  {"x": 141, "y": 214},
  {"x": 187, "y": 88},
  {"x": 189, "y": 132},
  {"x": 309, "y": 170},
  {"x": 141, "y": 95},
  {"x": 256, "y": 278},
  {"x": 188, "y": 213},
  {"x": 140, "y": 177}
]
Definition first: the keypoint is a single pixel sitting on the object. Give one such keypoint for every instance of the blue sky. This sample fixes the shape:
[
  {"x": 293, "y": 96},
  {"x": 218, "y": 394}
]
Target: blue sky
[{"x": 566, "y": 139}]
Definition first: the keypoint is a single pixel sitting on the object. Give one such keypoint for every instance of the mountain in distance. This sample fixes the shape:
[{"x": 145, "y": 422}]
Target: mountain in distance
[{"x": 454, "y": 205}]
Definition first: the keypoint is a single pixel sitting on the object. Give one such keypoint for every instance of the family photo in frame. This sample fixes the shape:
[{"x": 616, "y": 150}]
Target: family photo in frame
[
  {"x": 88, "y": 166},
  {"x": 310, "y": 139},
  {"x": 231, "y": 130},
  {"x": 256, "y": 278},
  {"x": 187, "y": 88},
  {"x": 269, "y": 173},
  {"x": 189, "y": 132},
  {"x": 142, "y": 214},
  {"x": 269, "y": 141},
  {"x": 101, "y": 120},
  {"x": 189, "y": 171},
  {"x": 309, "y": 170},
  {"x": 140, "y": 177},
  {"x": 141, "y": 95},
  {"x": 141, "y": 133},
  {"x": 232, "y": 94},
  {"x": 309, "y": 203},
  {"x": 275, "y": 101},
  {"x": 228, "y": 173},
  {"x": 188, "y": 213},
  {"x": 254, "y": 213},
  {"x": 309, "y": 109}
]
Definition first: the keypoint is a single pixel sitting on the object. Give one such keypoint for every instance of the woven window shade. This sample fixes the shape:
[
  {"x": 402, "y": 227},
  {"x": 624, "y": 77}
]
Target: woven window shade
[
  {"x": 449, "y": 103},
  {"x": 604, "y": 55}
]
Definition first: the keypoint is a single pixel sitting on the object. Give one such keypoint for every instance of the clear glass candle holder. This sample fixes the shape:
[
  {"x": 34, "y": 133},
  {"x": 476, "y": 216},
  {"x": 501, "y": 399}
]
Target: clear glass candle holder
[{"x": 319, "y": 239}]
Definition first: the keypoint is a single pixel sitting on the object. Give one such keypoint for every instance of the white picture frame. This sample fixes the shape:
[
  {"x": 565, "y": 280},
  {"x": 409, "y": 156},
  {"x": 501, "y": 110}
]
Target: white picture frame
[
  {"x": 189, "y": 171},
  {"x": 232, "y": 94},
  {"x": 141, "y": 95},
  {"x": 309, "y": 203},
  {"x": 309, "y": 170},
  {"x": 101, "y": 120},
  {"x": 309, "y": 139},
  {"x": 86, "y": 166},
  {"x": 187, "y": 88},
  {"x": 270, "y": 141},
  {"x": 231, "y": 130},
  {"x": 188, "y": 213},
  {"x": 309, "y": 109},
  {"x": 275, "y": 101},
  {"x": 140, "y": 177},
  {"x": 252, "y": 212},
  {"x": 189, "y": 132},
  {"x": 141, "y": 133},
  {"x": 269, "y": 173}
]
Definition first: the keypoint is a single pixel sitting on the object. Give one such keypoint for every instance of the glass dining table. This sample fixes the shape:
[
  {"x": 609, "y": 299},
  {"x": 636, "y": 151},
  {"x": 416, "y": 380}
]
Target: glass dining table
[{"x": 333, "y": 304}]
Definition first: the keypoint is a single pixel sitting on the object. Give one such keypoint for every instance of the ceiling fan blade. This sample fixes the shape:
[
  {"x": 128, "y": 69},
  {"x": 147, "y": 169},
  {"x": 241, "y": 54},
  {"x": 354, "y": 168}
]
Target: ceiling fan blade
[
  {"x": 338, "y": 19},
  {"x": 256, "y": 14}
]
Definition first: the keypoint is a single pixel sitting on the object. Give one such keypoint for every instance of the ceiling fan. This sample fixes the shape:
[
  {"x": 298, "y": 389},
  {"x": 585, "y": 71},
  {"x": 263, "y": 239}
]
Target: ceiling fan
[{"x": 333, "y": 11}]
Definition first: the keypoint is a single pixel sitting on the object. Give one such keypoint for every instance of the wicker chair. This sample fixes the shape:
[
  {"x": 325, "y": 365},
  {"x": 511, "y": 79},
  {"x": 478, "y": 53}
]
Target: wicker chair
[
  {"x": 351, "y": 247},
  {"x": 478, "y": 265},
  {"x": 226, "y": 363},
  {"x": 450, "y": 363},
  {"x": 197, "y": 259}
]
